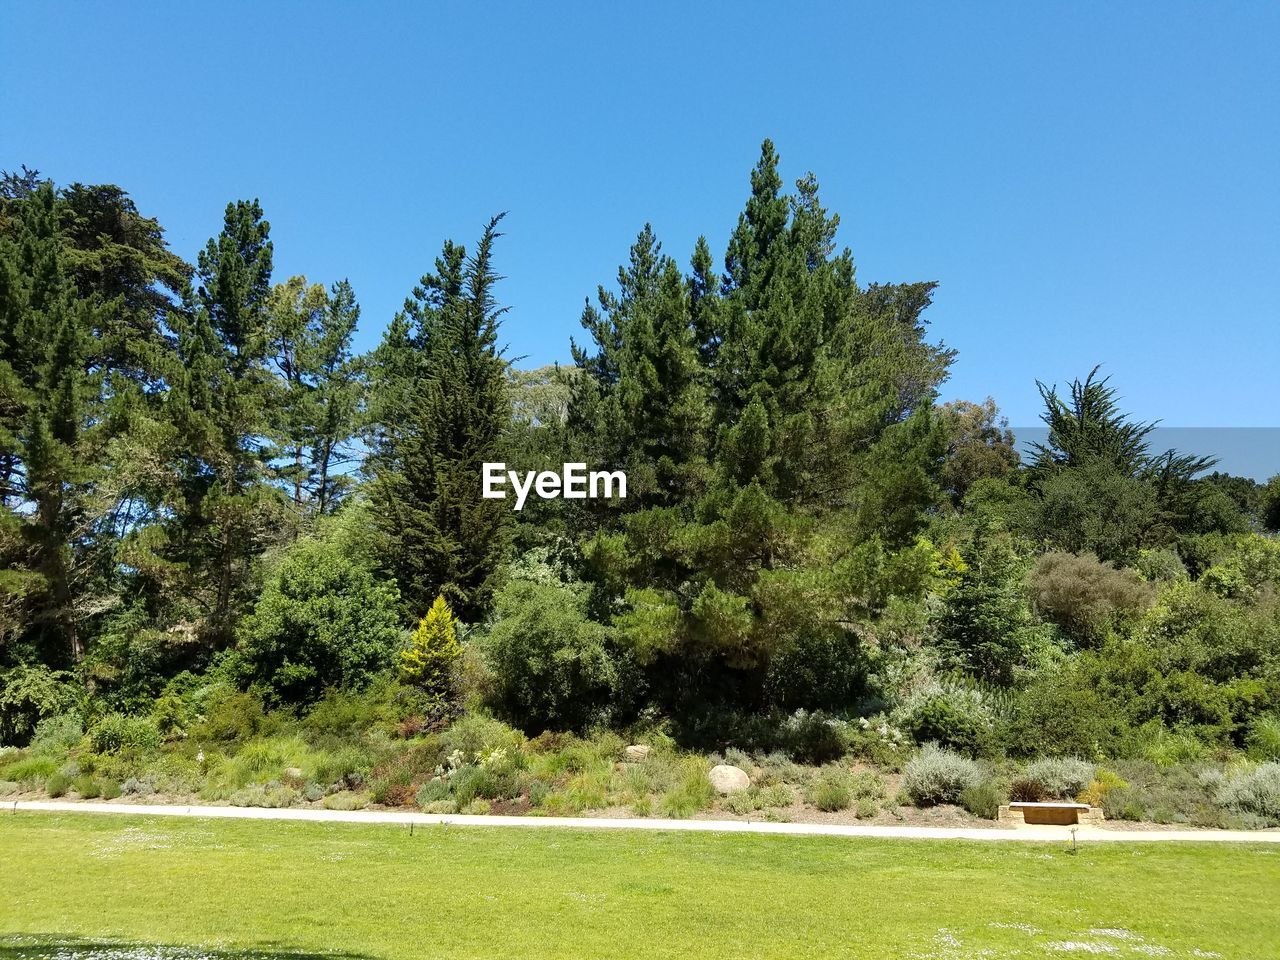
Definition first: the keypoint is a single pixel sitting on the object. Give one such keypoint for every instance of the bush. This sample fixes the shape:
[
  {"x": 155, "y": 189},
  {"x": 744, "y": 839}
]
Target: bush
[
  {"x": 1263, "y": 741},
  {"x": 116, "y": 733},
  {"x": 440, "y": 806},
  {"x": 57, "y": 734},
  {"x": 1255, "y": 791},
  {"x": 956, "y": 714},
  {"x": 29, "y": 694},
  {"x": 1061, "y": 778},
  {"x": 57, "y": 784},
  {"x": 323, "y": 620},
  {"x": 1084, "y": 596},
  {"x": 831, "y": 791},
  {"x": 549, "y": 665},
  {"x": 345, "y": 800},
  {"x": 266, "y": 795},
  {"x": 1104, "y": 781},
  {"x": 814, "y": 738},
  {"x": 982, "y": 799},
  {"x": 692, "y": 791},
  {"x": 936, "y": 775},
  {"x": 233, "y": 716},
  {"x": 865, "y": 808}
]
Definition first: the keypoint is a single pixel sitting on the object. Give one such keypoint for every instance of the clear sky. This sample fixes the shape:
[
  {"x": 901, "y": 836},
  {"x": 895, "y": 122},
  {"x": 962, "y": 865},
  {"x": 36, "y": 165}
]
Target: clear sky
[{"x": 1089, "y": 183}]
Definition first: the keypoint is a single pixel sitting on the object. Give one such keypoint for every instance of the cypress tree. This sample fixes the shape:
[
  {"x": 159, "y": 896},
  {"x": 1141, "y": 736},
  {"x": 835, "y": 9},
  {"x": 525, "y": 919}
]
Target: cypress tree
[
  {"x": 442, "y": 404},
  {"x": 225, "y": 408}
]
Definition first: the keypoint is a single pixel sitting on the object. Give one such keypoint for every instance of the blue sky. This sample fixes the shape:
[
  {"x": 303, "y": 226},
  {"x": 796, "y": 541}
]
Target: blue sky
[{"x": 1089, "y": 183}]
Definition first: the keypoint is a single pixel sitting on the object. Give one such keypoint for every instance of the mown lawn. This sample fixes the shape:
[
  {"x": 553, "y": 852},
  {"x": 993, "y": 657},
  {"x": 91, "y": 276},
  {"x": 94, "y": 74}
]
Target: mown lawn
[{"x": 377, "y": 891}]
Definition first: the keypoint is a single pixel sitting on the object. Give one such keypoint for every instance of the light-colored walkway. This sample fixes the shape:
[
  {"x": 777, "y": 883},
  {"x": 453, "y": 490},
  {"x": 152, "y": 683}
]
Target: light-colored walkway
[{"x": 1024, "y": 833}]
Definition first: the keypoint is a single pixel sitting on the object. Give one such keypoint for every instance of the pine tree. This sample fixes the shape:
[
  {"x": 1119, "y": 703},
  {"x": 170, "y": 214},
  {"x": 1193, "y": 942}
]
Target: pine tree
[
  {"x": 50, "y": 402},
  {"x": 442, "y": 406},
  {"x": 432, "y": 655},
  {"x": 311, "y": 332},
  {"x": 226, "y": 412}
]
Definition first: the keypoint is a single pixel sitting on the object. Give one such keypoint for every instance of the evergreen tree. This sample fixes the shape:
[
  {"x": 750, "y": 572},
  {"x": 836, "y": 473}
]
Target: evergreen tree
[
  {"x": 49, "y": 403},
  {"x": 442, "y": 407},
  {"x": 224, "y": 405},
  {"x": 311, "y": 332},
  {"x": 432, "y": 655}
]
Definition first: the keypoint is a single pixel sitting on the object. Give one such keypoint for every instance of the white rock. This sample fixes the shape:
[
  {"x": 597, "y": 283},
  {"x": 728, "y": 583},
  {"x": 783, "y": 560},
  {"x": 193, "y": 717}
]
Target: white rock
[
  {"x": 636, "y": 752},
  {"x": 727, "y": 779}
]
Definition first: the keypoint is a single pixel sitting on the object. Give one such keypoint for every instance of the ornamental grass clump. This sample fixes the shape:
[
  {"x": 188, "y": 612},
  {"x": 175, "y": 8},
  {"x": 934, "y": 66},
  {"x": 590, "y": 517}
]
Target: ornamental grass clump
[{"x": 936, "y": 775}]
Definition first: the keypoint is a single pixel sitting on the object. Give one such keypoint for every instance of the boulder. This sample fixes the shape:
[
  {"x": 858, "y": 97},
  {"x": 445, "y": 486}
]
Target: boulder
[
  {"x": 636, "y": 752},
  {"x": 727, "y": 779}
]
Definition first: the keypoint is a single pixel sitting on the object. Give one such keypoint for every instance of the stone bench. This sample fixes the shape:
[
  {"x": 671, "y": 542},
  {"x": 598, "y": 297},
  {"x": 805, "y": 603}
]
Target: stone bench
[{"x": 1054, "y": 812}]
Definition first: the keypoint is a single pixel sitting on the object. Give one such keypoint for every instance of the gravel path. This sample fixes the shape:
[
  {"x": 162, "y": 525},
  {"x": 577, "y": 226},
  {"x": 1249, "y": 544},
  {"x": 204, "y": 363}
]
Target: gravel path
[{"x": 1023, "y": 833}]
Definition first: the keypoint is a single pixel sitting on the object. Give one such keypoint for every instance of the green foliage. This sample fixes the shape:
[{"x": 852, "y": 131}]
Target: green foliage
[
  {"x": 321, "y": 622},
  {"x": 1263, "y": 740},
  {"x": 1060, "y": 778},
  {"x": 116, "y": 733},
  {"x": 440, "y": 406},
  {"x": 29, "y": 694},
  {"x": 936, "y": 775},
  {"x": 831, "y": 791},
  {"x": 982, "y": 629},
  {"x": 430, "y": 659},
  {"x": 1086, "y": 597},
  {"x": 982, "y": 799},
  {"x": 956, "y": 714},
  {"x": 550, "y": 666},
  {"x": 1255, "y": 791},
  {"x": 57, "y": 785}
]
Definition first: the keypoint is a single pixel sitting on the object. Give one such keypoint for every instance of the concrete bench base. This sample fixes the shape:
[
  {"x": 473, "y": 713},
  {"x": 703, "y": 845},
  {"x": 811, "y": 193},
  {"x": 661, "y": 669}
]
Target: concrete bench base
[{"x": 1057, "y": 814}]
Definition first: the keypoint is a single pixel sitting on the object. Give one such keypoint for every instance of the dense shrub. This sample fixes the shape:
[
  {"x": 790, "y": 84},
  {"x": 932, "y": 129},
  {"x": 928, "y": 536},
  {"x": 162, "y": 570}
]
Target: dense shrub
[
  {"x": 430, "y": 660},
  {"x": 29, "y": 694},
  {"x": 831, "y": 790},
  {"x": 59, "y": 733},
  {"x": 234, "y": 716},
  {"x": 956, "y": 714},
  {"x": 1263, "y": 740},
  {"x": 936, "y": 775},
  {"x": 1255, "y": 791},
  {"x": 550, "y": 665},
  {"x": 813, "y": 737},
  {"x": 982, "y": 799},
  {"x": 116, "y": 733},
  {"x": 1084, "y": 596},
  {"x": 1061, "y": 778},
  {"x": 322, "y": 620}
]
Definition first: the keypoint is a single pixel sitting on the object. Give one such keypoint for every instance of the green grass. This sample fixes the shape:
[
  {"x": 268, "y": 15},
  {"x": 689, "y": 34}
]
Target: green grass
[{"x": 377, "y": 891}]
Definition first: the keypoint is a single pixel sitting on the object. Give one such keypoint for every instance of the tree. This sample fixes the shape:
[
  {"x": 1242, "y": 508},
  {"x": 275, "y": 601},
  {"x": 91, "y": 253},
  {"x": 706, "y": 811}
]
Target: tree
[
  {"x": 323, "y": 621},
  {"x": 311, "y": 332},
  {"x": 982, "y": 628},
  {"x": 50, "y": 402},
  {"x": 432, "y": 655},
  {"x": 224, "y": 406},
  {"x": 441, "y": 408},
  {"x": 980, "y": 446}
]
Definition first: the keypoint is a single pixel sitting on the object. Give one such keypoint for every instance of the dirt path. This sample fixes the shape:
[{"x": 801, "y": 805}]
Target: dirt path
[{"x": 1024, "y": 833}]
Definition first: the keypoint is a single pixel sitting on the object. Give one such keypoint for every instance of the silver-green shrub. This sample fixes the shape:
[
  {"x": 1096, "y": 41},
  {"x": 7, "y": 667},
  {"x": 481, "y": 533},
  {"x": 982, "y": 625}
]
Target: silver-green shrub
[
  {"x": 936, "y": 775},
  {"x": 1061, "y": 778},
  {"x": 1255, "y": 791}
]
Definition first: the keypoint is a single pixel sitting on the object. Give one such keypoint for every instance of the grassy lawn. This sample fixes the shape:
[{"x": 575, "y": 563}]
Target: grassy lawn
[{"x": 376, "y": 891}]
